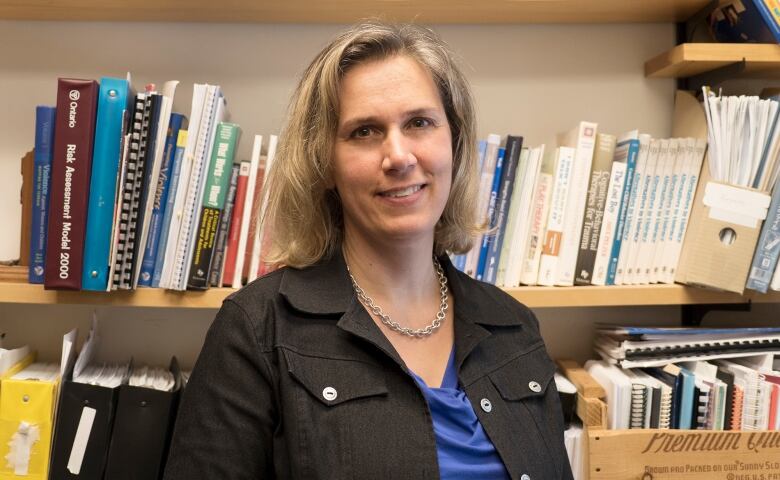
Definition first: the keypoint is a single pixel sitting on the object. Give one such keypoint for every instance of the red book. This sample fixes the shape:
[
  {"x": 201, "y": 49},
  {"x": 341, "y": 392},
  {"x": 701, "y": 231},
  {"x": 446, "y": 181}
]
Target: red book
[
  {"x": 235, "y": 224},
  {"x": 74, "y": 132}
]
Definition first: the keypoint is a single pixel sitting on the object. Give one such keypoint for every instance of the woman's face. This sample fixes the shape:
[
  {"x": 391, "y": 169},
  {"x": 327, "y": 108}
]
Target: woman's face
[{"x": 392, "y": 156}]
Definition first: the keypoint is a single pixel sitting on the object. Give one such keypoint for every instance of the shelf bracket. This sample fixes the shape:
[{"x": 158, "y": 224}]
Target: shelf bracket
[
  {"x": 692, "y": 315},
  {"x": 715, "y": 77}
]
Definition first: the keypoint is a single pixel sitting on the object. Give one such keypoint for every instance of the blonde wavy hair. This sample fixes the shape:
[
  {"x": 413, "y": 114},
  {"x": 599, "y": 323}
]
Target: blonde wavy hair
[{"x": 303, "y": 214}]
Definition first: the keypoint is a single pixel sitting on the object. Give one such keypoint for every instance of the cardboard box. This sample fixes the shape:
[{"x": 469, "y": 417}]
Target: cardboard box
[{"x": 723, "y": 230}]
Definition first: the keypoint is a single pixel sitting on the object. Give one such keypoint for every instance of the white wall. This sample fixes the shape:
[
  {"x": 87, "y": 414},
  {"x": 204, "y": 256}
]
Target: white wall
[{"x": 534, "y": 81}]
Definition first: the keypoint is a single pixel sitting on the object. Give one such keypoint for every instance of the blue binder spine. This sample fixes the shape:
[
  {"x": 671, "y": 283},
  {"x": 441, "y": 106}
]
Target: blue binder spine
[
  {"x": 460, "y": 260},
  {"x": 490, "y": 236},
  {"x": 633, "y": 150},
  {"x": 44, "y": 137},
  {"x": 149, "y": 262},
  {"x": 113, "y": 109}
]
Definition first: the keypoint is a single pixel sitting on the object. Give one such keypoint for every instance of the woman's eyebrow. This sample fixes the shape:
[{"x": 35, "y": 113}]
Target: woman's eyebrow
[{"x": 371, "y": 119}]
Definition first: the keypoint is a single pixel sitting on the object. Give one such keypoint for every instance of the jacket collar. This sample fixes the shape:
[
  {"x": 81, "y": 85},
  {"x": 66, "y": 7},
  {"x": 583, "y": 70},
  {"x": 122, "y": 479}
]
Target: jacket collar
[{"x": 325, "y": 289}]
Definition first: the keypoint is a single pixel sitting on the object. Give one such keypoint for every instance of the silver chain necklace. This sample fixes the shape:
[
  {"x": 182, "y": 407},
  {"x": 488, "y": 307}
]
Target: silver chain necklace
[{"x": 420, "y": 332}]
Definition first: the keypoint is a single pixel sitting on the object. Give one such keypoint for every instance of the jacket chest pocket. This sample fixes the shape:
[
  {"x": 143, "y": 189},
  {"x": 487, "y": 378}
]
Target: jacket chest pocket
[
  {"x": 527, "y": 390},
  {"x": 334, "y": 402}
]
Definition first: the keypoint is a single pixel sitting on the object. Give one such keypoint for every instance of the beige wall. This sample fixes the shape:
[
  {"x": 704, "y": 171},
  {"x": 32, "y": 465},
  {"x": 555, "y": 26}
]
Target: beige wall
[{"x": 530, "y": 80}]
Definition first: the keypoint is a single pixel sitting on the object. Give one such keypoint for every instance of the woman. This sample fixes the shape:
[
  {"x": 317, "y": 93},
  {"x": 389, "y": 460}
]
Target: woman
[{"x": 369, "y": 356}]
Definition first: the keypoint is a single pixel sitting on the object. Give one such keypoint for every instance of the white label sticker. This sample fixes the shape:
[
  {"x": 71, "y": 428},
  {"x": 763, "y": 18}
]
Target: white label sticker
[{"x": 80, "y": 441}]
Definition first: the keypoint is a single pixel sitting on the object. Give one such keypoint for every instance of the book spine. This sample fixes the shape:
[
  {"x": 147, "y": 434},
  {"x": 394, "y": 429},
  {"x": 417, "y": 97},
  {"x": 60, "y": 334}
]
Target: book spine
[
  {"x": 217, "y": 267},
  {"x": 541, "y": 208},
  {"x": 215, "y": 191},
  {"x": 71, "y": 167},
  {"x": 522, "y": 228},
  {"x": 490, "y": 236},
  {"x": 504, "y": 278},
  {"x": 609, "y": 223},
  {"x": 146, "y": 278},
  {"x": 552, "y": 237},
  {"x": 44, "y": 138},
  {"x": 112, "y": 113},
  {"x": 575, "y": 204},
  {"x": 622, "y": 277},
  {"x": 594, "y": 208},
  {"x": 249, "y": 210},
  {"x": 231, "y": 253},
  {"x": 483, "y": 199},
  {"x": 671, "y": 177},
  {"x": 768, "y": 248},
  {"x": 511, "y": 157},
  {"x": 633, "y": 150},
  {"x": 694, "y": 172},
  {"x": 175, "y": 173}
]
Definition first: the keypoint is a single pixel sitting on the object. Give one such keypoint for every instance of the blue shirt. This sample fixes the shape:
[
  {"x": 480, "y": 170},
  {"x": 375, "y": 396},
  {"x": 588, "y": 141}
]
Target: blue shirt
[{"x": 463, "y": 447}]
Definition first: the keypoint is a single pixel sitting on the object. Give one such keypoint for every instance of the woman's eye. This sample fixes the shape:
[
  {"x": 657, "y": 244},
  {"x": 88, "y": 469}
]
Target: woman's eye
[
  {"x": 362, "y": 132},
  {"x": 420, "y": 123}
]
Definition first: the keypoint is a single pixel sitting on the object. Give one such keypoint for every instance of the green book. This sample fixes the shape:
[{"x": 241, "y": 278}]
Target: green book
[{"x": 217, "y": 184}]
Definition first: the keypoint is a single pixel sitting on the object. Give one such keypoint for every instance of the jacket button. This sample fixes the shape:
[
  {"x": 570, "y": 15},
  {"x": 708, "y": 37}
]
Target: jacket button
[
  {"x": 525, "y": 476},
  {"x": 486, "y": 405},
  {"x": 329, "y": 394},
  {"x": 535, "y": 387}
]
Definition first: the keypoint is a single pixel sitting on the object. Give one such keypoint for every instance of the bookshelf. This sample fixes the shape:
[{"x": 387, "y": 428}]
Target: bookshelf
[
  {"x": 534, "y": 297},
  {"x": 689, "y": 59},
  {"x": 341, "y": 11}
]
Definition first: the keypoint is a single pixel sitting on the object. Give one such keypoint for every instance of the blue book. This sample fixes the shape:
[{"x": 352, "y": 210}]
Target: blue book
[
  {"x": 512, "y": 157},
  {"x": 460, "y": 260},
  {"x": 175, "y": 171},
  {"x": 631, "y": 144},
  {"x": 160, "y": 202},
  {"x": 44, "y": 137},
  {"x": 113, "y": 109},
  {"x": 754, "y": 22},
  {"x": 489, "y": 237},
  {"x": 686, "y": 399}
]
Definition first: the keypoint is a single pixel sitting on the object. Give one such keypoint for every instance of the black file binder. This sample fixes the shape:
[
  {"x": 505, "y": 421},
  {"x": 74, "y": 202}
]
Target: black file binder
[
  {"x": 142, "y": 430},
  {"x": 75, "y": 398}
]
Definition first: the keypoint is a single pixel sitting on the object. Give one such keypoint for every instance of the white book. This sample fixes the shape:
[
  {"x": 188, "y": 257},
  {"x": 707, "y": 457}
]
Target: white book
[
  {"x": 520, "y": 234},
  {"x": 254, "y": 165},
  {"x": 190, "y": 201},
  {"x": 257, "y": 241},
  {"x": 540, "y": 211},
  {"x": 483, "y": 199},
  {"x": 220, "y": 115},
  {"x": 166, "y": 105},
  {"x": 654, "y": 168},
  {"x": 617, "y": 180},
  {"x": 692, "y": 181},
  {"x": 174, "y": 228},
  {"x": 522, "y": 165},
  {"x": 658, "y": 188},
  {"x": 583, "y": 139},
  {"x": 635, "y": 240},
  {"x": 663, "y": 212},
  {"x": 679, "y": 176},
  {"x": 548, "y": 262},
  {"x": 627, "y": 244}
]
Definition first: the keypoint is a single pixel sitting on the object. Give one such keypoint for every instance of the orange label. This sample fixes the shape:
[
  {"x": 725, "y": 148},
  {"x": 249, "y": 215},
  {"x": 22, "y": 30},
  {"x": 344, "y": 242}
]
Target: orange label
[{"x": 552, "y": 243}]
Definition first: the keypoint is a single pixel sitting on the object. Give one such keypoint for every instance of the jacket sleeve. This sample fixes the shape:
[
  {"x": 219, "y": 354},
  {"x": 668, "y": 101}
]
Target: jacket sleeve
[{"x": 226, "y": 418}]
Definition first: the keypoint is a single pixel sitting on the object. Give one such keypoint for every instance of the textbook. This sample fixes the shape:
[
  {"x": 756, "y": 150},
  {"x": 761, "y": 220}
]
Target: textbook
[{"x": 44, "y": 137}]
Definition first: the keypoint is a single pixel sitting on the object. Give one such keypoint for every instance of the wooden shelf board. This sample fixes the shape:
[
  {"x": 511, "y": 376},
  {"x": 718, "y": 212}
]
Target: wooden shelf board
[
  {"x": 534, "y": 297},
  {"x": 340, "y": 11},
  {"x": 690, "y": 59}
]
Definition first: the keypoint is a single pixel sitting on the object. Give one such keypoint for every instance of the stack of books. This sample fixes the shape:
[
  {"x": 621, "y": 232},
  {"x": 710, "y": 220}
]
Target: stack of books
[{"x": 129, "y": 194}]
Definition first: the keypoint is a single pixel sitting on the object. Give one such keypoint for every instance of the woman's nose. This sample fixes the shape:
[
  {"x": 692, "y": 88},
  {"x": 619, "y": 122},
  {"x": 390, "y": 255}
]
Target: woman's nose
[{"x": 398, "y": 155}]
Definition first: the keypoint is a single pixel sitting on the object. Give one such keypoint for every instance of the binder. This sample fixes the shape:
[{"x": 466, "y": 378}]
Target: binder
[
  {"x": 26, "y": 412},
  {"x": 142, "y": 429}
]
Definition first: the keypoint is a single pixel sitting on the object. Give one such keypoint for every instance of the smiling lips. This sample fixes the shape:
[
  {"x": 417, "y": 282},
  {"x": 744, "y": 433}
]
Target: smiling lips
[{"x": 402, "y": 192}]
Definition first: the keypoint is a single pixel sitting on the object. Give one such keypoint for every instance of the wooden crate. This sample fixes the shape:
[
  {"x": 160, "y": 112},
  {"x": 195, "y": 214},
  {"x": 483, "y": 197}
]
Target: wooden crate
[{"x": 650, "y": 454}]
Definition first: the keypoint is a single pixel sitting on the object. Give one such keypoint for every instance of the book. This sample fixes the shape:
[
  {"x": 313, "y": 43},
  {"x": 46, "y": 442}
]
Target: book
[
  {"x": 231, "y": 252},
  {"x": 656, "y": 239},
  {"x": 555, "y": 221},
  {"x": 490, "y": 235},
  {"x": 511, "y": 158},
  {"x": 540, "y": 210},
  {"x": 745, "y": 21},
  {"x": 113, "y": 111},
  {"x": 513, "y": 217},
  {"x": 153, "y": 241},
  {"x": 628, "y": 147},
  {"x": 629, "y": 227},
  {"x": 256, "y": 174},
  {"x": 71, "y": 166},
  {"x": 603, "y": 156},
  {"x": 215, "y": 192},
  {"x": 768, "y": 247},
  {"x": 520, "y": 235},
  {"x": 609, "y": 222},
  {"x": 262, "y": 232},
  {"x": 583, "y": 139},
  {"x": 44, "y": 138},
  {"x": 483, "y": 198},
  {"x": 217, "y": 267}
]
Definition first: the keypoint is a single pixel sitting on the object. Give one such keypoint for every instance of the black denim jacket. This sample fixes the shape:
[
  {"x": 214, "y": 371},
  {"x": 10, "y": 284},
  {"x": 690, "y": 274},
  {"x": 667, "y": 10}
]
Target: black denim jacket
[{"x": 296, "y": 381}]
